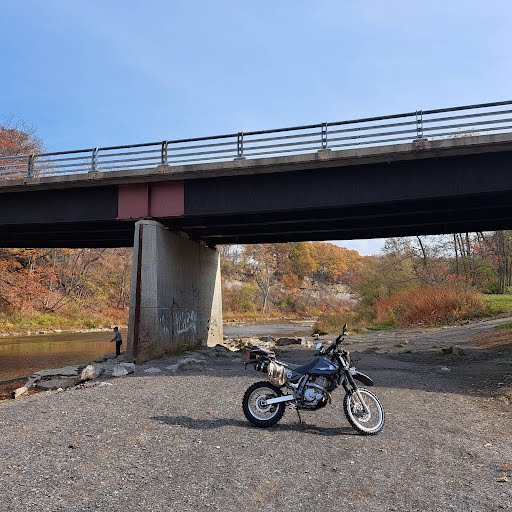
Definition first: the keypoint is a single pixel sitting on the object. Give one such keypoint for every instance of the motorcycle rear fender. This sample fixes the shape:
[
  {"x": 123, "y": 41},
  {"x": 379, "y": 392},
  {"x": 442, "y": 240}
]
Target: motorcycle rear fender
[
  {"x": 259, "y": 353},
  {"x": 361, "y": 377}
]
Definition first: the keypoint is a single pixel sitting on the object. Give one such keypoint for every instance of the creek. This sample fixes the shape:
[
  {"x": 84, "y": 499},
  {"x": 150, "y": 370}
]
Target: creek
[{"x": 20, "y": 356}]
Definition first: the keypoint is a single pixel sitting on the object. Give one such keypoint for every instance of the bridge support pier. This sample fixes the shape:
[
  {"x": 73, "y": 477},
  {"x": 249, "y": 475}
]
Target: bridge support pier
[{"x": 175, "y": 298}]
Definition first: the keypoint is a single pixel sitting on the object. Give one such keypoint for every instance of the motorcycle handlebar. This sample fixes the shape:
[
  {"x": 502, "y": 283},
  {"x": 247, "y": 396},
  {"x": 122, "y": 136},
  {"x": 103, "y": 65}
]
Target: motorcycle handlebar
[{"x": 336, "y": 342}]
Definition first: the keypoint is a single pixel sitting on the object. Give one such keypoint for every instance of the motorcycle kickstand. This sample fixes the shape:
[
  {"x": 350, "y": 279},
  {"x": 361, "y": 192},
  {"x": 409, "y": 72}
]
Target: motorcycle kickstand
[{"x": 298, "y": 414}]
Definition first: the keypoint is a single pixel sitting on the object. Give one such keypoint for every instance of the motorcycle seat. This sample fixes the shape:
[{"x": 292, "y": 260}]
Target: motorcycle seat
[{"x": 302, "y": 369}]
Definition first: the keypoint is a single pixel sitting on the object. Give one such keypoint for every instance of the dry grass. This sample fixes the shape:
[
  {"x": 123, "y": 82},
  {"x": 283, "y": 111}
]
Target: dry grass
[
  {"x": 500, "y": 337},
  {"x": 429, "y": 306},
  {"x": 332, "y": 323}
]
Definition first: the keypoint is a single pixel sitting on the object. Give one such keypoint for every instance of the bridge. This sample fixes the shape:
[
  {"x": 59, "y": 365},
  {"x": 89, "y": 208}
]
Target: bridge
[{"x": 423, "y": 172}]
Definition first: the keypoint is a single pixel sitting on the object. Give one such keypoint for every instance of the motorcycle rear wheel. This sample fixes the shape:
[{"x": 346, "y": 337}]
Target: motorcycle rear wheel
[
  {"x": 254, "y": 408},
  {"x": 361, "y": 421}
]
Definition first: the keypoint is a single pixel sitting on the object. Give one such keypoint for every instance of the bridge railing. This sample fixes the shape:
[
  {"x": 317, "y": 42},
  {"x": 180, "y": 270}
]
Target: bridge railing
[{"x": 484, "y": 118}]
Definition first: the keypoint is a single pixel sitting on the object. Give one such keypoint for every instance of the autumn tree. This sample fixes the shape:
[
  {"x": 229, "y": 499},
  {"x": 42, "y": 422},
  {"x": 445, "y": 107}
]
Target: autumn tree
[
  {"x": 17, "y": 138},
  {"x": 303, "y": 260},
  {"x": 266, "y": 264},
  {"x": 331, "y": 261}
]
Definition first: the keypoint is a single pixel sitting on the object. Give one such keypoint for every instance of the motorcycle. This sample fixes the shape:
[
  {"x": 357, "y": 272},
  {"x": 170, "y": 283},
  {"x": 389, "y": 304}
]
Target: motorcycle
[{"x": 309, "y": 387}]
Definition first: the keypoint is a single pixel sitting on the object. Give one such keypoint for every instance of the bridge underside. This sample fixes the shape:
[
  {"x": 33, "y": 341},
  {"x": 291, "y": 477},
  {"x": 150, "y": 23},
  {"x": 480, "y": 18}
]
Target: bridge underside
[
  {"x": 478, "y": 212},
  {"x": 406, "y": 218},
  {"x": 410, "y": 197}
]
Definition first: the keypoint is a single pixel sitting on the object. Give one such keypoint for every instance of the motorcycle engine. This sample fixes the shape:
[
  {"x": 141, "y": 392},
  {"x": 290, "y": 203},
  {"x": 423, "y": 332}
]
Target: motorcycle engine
[{"x": 315, "y": 390}]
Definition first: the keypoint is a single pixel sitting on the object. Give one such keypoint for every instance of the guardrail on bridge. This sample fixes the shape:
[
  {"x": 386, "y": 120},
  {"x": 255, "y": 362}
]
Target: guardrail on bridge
[{"x": 442, "y": 123}]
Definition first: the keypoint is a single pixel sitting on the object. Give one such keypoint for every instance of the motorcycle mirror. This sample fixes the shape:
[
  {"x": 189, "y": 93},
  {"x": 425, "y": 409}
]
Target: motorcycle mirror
[{"x": 318, "y": 346}]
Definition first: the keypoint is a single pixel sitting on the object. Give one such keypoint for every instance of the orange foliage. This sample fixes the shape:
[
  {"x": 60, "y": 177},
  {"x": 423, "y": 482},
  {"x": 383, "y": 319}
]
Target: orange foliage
[
  {"x": 331, "y": 261},
  {"x": 428, "y": 305},
  {"x": 303, "y": 258},
  {"x": 18, "y": 141}
]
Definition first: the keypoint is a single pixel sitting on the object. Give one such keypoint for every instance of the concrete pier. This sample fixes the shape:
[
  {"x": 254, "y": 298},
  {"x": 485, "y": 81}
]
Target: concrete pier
[{"x": 176, "y": 300}]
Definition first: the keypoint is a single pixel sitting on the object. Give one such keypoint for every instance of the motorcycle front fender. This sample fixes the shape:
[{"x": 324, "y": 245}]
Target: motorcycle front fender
[{"x": 361, "y": 377}]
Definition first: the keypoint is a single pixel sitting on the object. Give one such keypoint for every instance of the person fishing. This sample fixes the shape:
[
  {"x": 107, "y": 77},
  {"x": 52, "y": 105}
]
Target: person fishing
[{"x": 118, "y": 339}]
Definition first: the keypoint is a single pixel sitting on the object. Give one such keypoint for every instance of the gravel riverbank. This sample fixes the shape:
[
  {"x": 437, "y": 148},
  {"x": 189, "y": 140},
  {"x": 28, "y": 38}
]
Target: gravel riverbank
[{"x": 178, "y": 441}]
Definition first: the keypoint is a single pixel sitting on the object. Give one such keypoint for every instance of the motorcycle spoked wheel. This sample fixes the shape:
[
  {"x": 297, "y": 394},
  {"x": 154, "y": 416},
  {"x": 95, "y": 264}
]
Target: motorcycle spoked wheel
[
  {"x": 367, "y": 424},
  {"x": 253, "y": 406}
]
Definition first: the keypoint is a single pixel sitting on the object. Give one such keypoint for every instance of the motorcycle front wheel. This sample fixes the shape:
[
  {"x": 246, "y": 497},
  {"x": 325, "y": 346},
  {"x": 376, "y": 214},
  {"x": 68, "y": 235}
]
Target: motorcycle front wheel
[
  {"x": 255, "y": 408},
  {"x": 364, "y": 411}
]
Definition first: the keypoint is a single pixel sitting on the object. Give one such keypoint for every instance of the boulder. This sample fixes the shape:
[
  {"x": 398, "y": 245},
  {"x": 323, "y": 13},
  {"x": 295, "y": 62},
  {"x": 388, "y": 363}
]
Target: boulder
[
  {"x": 153, "y": 369},
  {"x": 186, "y": 363},
  {"x": 90, "y": 372},
  {"x": 220, "y": 348},
  {"x": 237, "y": 344},
  {"x": 56, "y": 378},
  {"x": 218, "y": 351},
  {"x": 232, "y": 345},
  {"x": 454, "y": 350},
  {"x": 129, "y": 367},
  {"x": 66, "y": 371},
  {"x": 19, "y": 392},
  {"x": 282, "y": 342},
  {"x": 61, "y": 383},
  {"x": 250, "y": 343},
  {"x": 457, "y": 351},
  {"x": 119, "y": 371}
]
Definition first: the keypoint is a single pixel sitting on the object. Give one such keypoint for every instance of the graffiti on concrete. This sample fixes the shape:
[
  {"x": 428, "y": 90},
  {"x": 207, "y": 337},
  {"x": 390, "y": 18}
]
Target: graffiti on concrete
[
  {"x": 145, "y": 340},
  {"x": 163, "y": 324},
  {"x": 185, "y": 321}
]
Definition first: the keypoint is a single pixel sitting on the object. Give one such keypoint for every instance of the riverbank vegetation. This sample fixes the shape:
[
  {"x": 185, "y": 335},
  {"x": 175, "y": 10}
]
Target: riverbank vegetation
[
  {"x": 430, "y": 280},
  {"x": 48, "y": 289},
  {"x": 416, "y": 281}
]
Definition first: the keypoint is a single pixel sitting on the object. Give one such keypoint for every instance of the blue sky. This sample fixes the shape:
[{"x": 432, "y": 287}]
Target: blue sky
[{"x": 93, "y": 73}]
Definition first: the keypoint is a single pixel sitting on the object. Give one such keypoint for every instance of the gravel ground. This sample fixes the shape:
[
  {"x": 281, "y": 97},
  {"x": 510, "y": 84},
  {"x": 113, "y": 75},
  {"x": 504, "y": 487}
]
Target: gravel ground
[{"x": 180, "y": 442}]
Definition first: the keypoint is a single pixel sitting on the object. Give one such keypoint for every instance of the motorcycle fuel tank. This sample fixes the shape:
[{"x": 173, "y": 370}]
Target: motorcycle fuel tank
[{"x": 324, "y": 366}]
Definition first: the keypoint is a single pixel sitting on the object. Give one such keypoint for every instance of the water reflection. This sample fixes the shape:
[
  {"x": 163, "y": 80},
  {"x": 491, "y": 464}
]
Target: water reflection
[{"x": 21, "y": 356}]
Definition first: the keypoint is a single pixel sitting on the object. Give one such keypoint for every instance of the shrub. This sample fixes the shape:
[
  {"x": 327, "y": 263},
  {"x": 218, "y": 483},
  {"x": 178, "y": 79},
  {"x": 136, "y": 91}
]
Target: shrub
[
  {"x": 331, "y": 323},
  {"x": 429, "y": 305}
]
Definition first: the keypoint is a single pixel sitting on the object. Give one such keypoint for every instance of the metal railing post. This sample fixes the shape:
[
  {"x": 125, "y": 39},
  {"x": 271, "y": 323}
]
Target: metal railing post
[
  {"x": 324, "y": 136},
  {"x": 419, "y": 124},
  {"x": 164, "y": 152},
  {"x": 94, "y": 160},
  {"x": 30, "y": 166},
  {"x": 240, "y": 145}
]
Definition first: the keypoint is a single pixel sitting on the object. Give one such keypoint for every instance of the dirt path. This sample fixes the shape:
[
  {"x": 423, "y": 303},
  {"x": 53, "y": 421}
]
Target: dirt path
[{"x": 180, "y": 442}]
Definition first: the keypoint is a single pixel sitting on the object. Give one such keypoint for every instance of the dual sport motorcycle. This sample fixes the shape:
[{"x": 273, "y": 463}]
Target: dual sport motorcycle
[{"x": 309, "y": 387}]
